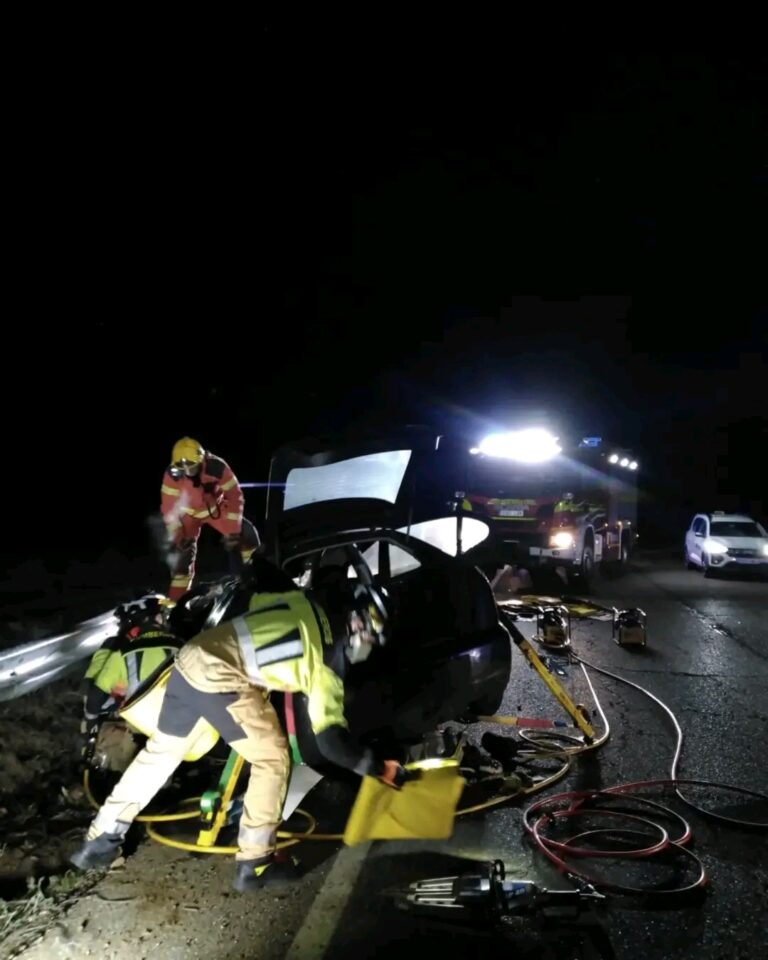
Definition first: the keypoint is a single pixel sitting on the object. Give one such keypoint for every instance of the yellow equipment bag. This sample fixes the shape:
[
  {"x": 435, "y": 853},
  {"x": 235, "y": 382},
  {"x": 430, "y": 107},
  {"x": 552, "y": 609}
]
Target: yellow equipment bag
[
  {"x": 142, "y": 711},
  {"x": 422, "y": 809}
]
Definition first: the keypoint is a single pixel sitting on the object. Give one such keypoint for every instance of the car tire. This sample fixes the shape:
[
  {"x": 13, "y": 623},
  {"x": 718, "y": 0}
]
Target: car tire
[
  {"x": 584, "y": 578},
  {"x": 708, "y": 572},
  {"x": 485, "y": 707},
  {"x": 620, "y": 566},
  {"x": 624, "y": 555}
]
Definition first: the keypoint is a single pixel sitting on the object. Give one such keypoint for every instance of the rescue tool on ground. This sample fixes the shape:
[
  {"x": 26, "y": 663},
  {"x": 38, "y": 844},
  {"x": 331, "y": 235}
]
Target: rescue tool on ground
[
  {"x": 534, "y": 922},
  {"x": 629, "y": 628},
  {"x": 489, "y": 895}
]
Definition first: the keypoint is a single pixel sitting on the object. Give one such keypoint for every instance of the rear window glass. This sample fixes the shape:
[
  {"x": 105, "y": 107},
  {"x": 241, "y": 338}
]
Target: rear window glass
[{"x": 375, "y": 476}]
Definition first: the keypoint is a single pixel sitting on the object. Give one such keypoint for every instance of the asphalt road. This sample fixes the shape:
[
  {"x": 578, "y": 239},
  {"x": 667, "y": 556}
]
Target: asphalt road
[{"x": 707, "y": 658}]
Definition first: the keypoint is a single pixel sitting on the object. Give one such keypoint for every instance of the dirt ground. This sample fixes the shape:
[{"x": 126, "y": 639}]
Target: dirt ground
[
  {"x": 169, "y": 901},
  {"x": 42, "y": 806},
  {"x": 43, "y": 809}
]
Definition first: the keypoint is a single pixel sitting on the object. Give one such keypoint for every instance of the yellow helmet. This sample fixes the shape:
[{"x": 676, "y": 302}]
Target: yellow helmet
[{"x": 187, "y": 451}]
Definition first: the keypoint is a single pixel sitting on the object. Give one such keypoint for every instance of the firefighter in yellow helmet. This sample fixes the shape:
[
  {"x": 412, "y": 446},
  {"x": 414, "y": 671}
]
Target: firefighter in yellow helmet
[
  {"x": 290, "y": 642},
  {"x": 200, "y": 488}
]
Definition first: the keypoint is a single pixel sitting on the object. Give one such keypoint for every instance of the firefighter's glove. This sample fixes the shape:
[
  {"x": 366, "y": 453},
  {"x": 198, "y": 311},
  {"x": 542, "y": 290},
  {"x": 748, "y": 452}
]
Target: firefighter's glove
[{"x": 392, "y": 774}]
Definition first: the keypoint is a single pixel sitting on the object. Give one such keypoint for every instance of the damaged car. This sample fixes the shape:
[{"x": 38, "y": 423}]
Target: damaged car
[{"x": 380, "y": 511}]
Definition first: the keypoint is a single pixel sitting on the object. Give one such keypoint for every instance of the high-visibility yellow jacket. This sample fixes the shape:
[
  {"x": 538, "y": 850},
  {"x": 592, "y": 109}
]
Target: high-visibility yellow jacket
[
  {"x": 283, "y": 643},
  {"x": 122, "y": 663}
]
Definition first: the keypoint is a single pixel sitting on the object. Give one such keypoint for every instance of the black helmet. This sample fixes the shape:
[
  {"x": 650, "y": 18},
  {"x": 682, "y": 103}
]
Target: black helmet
[{"x": 139, "y": 613}]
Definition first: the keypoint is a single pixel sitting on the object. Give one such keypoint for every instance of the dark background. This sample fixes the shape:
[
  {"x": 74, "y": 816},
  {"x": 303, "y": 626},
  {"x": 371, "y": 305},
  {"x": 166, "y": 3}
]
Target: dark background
[{"x": 335, "y": 237}]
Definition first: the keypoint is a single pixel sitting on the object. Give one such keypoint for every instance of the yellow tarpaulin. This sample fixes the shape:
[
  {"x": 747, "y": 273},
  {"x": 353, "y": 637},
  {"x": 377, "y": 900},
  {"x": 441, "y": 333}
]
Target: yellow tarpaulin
[
  {"x": 574, "y": 605},
  {"x": 422, "y": 809}
]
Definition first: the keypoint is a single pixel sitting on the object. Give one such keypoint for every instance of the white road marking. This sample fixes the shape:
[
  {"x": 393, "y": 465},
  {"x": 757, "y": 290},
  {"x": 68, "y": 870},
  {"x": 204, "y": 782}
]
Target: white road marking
[{"x": 319, "y": 926}]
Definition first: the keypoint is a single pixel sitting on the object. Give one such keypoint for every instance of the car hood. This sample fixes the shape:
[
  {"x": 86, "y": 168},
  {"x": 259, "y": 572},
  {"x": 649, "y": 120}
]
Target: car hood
[{"x": 742, "y": 543}]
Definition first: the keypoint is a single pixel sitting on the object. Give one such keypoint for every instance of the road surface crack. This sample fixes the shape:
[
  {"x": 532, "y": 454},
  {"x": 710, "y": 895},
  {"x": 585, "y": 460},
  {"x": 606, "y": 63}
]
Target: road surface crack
[{"x": 723, "y": 630}]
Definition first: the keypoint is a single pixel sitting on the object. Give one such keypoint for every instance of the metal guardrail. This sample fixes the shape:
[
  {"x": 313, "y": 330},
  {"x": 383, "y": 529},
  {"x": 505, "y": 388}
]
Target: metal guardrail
[{"x": 32, "y": 665}]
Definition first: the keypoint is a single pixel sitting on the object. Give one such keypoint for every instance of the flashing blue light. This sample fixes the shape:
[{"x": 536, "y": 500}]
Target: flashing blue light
[{"x": 591, "y": 442}]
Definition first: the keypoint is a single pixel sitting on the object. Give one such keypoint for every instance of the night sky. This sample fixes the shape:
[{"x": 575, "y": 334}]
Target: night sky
[{"x": 361, "y": 242}]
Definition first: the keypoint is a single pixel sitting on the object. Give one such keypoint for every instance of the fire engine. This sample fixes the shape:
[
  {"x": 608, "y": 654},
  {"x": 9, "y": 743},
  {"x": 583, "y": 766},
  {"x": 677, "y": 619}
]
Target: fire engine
[{"x": 572, "y": 506}]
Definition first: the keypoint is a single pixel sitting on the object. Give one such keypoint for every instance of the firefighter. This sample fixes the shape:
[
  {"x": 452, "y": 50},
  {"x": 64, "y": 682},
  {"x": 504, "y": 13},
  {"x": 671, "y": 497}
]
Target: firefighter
[
  {"x": 284, "y": 642},
  {"x": 142, "y": 642},
  {"x": 199, "y": 488},
  {"x": 570, "y": 505},
  {"x": 567, "y": 504},
  {"x": 510, "y": 580}
]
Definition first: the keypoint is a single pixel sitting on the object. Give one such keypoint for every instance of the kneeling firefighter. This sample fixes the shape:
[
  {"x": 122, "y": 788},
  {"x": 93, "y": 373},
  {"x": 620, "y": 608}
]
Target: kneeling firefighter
[
  {"x": 222, "y": 678},
  {"x": 142, "y": 643}
]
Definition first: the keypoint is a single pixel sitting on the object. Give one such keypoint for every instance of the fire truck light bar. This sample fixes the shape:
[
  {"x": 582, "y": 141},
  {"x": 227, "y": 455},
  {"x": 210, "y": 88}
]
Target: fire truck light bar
[
  {"x": 528, "y": 446},
  {"x": 623, "y": 461}
]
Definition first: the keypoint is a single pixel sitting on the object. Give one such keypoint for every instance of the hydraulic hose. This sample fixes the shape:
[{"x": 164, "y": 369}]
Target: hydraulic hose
[
  {"x": 290, "y": 838},
  {"x": 546, "y": 745},
  {"x": 673, "y": 778},
  {"x": 543, "y": 747},
  {"x": 555, "y": 809}
]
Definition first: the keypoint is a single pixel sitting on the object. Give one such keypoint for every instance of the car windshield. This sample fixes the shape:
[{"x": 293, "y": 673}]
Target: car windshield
[
  {"x": 735, "y": 528},
  {"x": 492, "y": 478}
]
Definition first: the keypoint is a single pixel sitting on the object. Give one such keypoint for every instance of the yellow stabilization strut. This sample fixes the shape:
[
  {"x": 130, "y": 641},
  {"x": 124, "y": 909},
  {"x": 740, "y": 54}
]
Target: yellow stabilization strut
[{"x": 576, "y": 714}]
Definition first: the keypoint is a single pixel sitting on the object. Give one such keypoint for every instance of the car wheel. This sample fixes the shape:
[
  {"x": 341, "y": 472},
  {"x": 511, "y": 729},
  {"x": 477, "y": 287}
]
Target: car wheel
[
  {"x": 484, "y": 707},
  {"x": 706, "y": 569},
  {"x": 624, "y": 559},
  {"x": 621, "y": 565},
  {"x": 586, "y": 574}
]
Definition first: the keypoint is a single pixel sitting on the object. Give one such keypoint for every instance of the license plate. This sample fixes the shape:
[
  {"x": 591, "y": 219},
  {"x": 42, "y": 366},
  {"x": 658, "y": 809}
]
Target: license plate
[
  {"x": 511, "y": 512},
  {"x": 749, "y": 559}
]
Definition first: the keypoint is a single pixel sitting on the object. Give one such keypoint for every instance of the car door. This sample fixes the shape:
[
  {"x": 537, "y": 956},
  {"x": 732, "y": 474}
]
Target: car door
[
  {"x": 699, "y": 536},
  {"x": 690, "y": 540}
]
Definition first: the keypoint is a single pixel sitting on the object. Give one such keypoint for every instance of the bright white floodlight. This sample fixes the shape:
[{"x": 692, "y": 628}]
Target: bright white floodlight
[
  {"x": 528, "y": 446},
  {"x": 614, "y": 458}
]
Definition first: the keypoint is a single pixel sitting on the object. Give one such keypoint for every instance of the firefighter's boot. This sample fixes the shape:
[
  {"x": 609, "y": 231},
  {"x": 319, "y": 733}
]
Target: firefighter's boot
[
  {"x": 101, "y": 850},
  {"x": 252, "y": 875}
]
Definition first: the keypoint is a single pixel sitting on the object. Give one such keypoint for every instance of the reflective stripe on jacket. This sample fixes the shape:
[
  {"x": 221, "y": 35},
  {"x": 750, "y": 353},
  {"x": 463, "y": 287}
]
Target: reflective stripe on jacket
[
  {"x": 125, "y": 668},
  {"x": 278, "y": 645},
  {"x": 215, "y": 493}
]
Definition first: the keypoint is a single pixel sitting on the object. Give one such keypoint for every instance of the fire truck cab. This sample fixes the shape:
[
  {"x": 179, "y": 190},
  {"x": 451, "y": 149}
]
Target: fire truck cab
[{"x": 572, "y": 506}]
